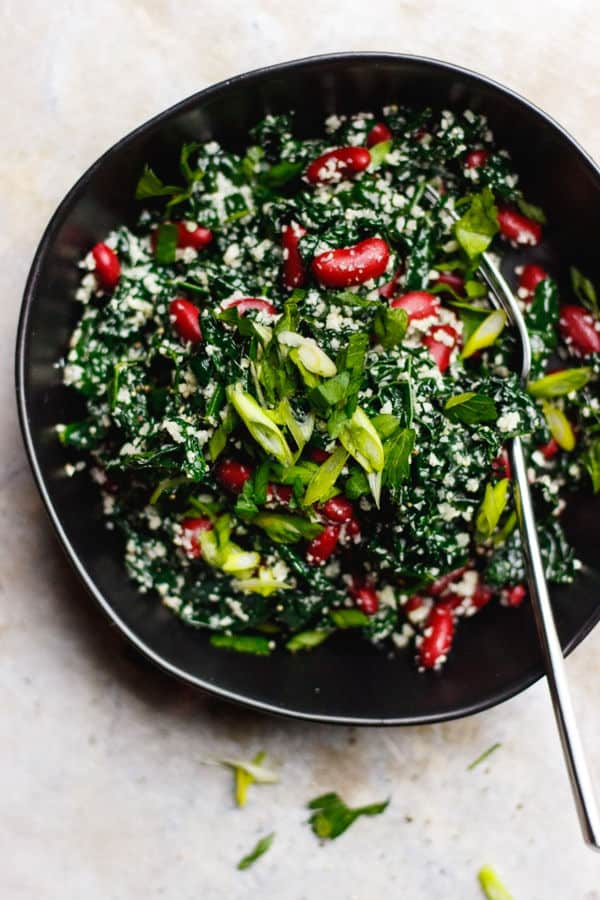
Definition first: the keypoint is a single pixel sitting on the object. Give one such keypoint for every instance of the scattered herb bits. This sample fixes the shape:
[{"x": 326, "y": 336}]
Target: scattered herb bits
[
  {"x": 331, "y": 817},
  {"x": 491, "y": 885},
  {"x": 247, "y": 773},
  {"x": 299, "y": 397},
  {"x": 261, "y": 847}
]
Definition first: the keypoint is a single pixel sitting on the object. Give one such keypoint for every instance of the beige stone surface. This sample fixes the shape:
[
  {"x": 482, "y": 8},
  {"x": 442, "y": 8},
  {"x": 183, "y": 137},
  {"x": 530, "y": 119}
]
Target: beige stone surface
[{"x": 104, "y": 791}]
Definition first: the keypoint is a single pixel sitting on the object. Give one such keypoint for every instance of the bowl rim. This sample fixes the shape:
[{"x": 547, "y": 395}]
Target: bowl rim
[{"x": 494, "y": 698}]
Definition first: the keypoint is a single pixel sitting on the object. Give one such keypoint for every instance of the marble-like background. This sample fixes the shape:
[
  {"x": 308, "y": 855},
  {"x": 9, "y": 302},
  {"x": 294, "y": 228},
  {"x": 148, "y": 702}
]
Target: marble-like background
[{"x": 103, "y": 790}]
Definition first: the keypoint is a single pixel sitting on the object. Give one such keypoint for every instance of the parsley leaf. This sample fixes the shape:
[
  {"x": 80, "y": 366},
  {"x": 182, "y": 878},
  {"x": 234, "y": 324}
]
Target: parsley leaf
[
  {"x": 242, "y": 643},
  {"x": 279, "y": 174},
  {"x": 150, "y": 185},
  {"x": 261, "y": 847},
  {"x": 397, "y": 453},
  {"x": 330, "y": 392},
  {"x": 190, "y": 175},
  {"x": 533, "y": 212},
  {"x": 332, "y": 817},
  {"x": 471, "y": 408},
  {"x": 478, "y": 225},
  {"x": 591, "y": 460},
  {"x": 166, "y": 243},
  {"x": 390, "y": 326},
  {"x": 584, "y": 291},
  {"x": 356, "y": 484}
]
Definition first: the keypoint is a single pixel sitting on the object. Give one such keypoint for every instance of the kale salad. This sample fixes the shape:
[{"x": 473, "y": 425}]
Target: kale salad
[{"x": 299, "y": 395}]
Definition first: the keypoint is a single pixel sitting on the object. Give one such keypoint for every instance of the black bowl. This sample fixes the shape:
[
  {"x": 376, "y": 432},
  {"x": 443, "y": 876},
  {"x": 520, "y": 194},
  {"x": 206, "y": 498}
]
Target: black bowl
[{"x": 496, "y": 654}]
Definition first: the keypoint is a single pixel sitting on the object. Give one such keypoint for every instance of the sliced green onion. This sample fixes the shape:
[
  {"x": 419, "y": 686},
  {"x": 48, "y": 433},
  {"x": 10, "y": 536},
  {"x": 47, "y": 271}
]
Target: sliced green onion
[
  {"x": 237, "y": 561},
  {"x": 359, "y": 436},
  {"x": 485, "y": 334},
  {"x": 375, "y": 480},
  {"x": 301, "y": 430},
  {"x": 560, "y": 383},
  {"x": 492, "y": 507},
  {"x": 559, "y": 426},
  {"x": 259, "y": 424},
  {"x": 306, "y": 640},
  {"x": 308, "y": 353},
  {"x": 325, "y": 477},
  {"x": 286, "y": 529},
  {"x": 378, "y": 153},
  {"x": 264, "y": 583},
  {"x": 491, "y": 885}
]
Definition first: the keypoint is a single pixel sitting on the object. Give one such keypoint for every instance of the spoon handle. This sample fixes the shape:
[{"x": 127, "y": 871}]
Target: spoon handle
[{"x": 579, "y": 775}]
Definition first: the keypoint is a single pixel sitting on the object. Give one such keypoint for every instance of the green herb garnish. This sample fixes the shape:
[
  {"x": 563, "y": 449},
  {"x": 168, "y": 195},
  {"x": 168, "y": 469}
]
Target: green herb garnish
[
  {"x": 483, "y": 756},
  {"x": 331, "y": 816},
  {"x": 471, "y": 408},
  {"x": 261, "y": 847},
  {"x": 478, "y": 225},
  {"x": 243, "y": 643},
  {"x": 584, "y": 290}
]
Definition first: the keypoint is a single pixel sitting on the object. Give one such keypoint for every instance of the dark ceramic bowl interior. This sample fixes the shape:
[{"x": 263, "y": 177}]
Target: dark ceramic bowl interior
[{"x": 496, "y": 654}]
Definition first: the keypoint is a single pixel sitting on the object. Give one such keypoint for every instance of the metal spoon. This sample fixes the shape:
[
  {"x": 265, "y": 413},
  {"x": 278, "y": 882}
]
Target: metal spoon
[{"x": 579, "y": 775}]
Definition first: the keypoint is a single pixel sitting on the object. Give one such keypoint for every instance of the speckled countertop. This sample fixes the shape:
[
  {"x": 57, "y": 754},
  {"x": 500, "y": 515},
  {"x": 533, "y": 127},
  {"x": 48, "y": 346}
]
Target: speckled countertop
[{"x": 103, "y": 784}]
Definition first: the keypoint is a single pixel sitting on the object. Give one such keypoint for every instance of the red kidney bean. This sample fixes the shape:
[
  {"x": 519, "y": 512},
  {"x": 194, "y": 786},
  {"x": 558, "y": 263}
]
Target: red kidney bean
[
  {"x": 456, "y": 282},
  {"x": 366, "y": 597},
  {"x": 531, "y": 276},
  {"x": 108, "y": 267},
  {"x": 190, "y": 528},
  {"x": 279, "y": 493},
  {"x": 243, "y": 304},
  {"x": 481, "y": 596},
  {"x": 293, "y": 267},
  {"x": 352, "y": 529},
  {"x": 352, "y": 265},
  {"x": 442, "y": 584},
  {"x": 440, "y": 350},
  {"x": 517, "y": 227},
  {"x": 338, "y": 509},
  {"x": 413, "y": 603},
  {"x": 550, "y": 449},
  {"x": 198, "y": 237},
  {"x": 378, "y": 133},
  {"x": 389, "y": 288},
  {"x": 501, "y": 465},
  {"x": 184, "y": 317},
  {"x": 418, "y": 304},
  {"x": 475, "y": 159},
  {"x": 317, "y": 455},
  {"x": 337, "y": 163},
  {"x": 323, "y": 545},
  {"x": 579, "y": 330},
  {"x": 514, "y": 596},
  {"x": 437, "y": 639},
  {"x": 232, "y": 474}
]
